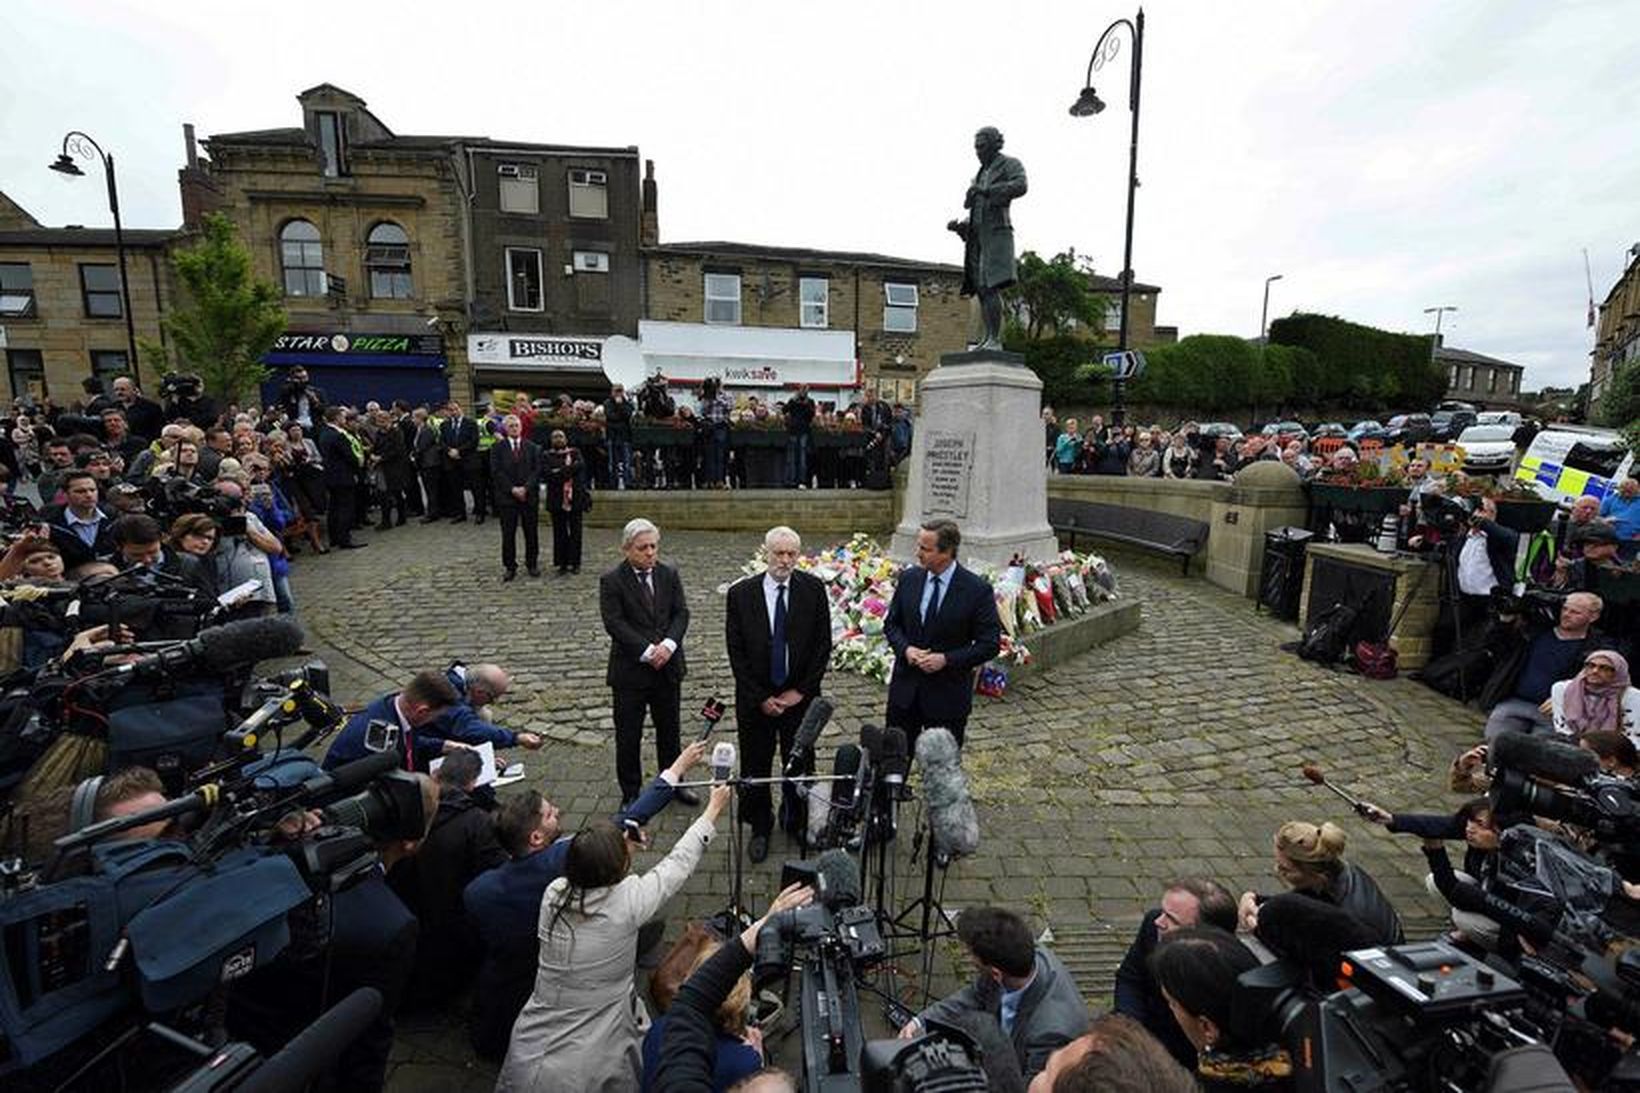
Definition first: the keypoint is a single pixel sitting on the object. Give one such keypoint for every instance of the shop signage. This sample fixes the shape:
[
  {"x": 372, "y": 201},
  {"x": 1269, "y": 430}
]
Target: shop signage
[
  {"x": 536, "y": 351},
  {"x": 375, "y": 344},
  {"x": 761, "y": 374}
]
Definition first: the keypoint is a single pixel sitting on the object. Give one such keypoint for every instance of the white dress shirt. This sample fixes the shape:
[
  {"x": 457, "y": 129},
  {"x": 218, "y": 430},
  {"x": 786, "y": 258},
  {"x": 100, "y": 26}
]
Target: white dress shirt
[{"x": 1475, "y": 576}]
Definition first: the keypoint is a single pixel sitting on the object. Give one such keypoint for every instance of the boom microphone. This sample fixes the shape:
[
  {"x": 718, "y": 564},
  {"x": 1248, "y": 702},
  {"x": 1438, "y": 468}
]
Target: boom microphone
[
  {"x": 317, "y": 1047},
  {"x": 808, "y": 732},
  {"x": 222, "y": 648},
  {"x": 1543, "y": 757},
  {"x": 839, "y": 879},
  {"x": 952, "y": 823}
]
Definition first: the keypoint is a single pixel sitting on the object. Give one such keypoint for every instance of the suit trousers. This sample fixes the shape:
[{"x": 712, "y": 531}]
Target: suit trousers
[
  {"x": 758, "y": 734},
  {"x": 660, "y": 700},
  {"x": 453, "y": 487},
  {"x": 340, "y": 513},
  {"x": 566, "y": 539},
  {"x": 913, "y": 721},
  {"x": 513, "y": 515},
  {"x": 431, "y": 485}
]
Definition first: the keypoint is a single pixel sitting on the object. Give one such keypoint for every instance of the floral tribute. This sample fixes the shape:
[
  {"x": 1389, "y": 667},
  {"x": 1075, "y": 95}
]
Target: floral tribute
[{"x": 859, "y": 577}]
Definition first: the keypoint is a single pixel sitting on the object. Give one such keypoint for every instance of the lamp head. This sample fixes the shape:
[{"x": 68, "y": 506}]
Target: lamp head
[
  {"x": 1087, "y": 104},
  {"x": 65, "y": 165}
]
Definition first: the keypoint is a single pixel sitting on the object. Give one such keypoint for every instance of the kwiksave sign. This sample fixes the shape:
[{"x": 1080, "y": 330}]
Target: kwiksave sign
[{"x": 403, "y": 345}]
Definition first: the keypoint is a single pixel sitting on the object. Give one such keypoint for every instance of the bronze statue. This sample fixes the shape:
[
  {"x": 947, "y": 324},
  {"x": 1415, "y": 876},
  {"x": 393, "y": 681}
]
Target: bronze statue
[{"x": 988, "y": 257}]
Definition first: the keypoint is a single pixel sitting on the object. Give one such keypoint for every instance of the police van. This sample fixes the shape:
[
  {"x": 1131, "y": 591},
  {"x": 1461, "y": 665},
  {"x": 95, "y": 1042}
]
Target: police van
[{"x": 1565, "y": 462}]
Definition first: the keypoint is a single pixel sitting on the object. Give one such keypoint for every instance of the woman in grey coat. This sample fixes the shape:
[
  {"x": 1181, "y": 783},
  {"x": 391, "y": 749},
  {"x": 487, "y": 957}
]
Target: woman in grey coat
[{"x": 583, "y": 1027}]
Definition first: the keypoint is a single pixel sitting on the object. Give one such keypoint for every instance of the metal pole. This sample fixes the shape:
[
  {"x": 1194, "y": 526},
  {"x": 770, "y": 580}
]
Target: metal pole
[
  {"x": 125, "y": 283},
  {"x": 1118, "y": 410}
]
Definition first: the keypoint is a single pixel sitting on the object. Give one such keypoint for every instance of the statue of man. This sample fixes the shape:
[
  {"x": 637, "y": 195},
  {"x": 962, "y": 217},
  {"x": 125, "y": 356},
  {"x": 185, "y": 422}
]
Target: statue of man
[{"x": 988, "y": 257}]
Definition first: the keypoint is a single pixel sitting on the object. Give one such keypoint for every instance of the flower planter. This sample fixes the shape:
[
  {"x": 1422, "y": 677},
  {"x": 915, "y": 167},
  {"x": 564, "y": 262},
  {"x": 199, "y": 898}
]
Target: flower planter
[
  {"x": 1529, "y": 516},
  {"x": 757, "y": 438}
]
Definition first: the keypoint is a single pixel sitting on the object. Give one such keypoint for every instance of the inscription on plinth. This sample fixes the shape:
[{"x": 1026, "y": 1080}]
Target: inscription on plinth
[{"x": 948, "y": 464}]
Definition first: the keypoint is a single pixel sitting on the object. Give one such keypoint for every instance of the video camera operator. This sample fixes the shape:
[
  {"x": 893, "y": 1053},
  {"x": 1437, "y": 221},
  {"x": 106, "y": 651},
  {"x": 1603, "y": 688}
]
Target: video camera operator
[
  {"x": 139, "y": 540},
  {"x": 185, "y": 397},
  {"x": 302, "y": 402},
  {"x": 245, "y": 550},
  {"x": 1540, "y": 654}
]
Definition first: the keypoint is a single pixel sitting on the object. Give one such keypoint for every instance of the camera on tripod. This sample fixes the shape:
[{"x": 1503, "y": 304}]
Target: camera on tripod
[{"x": 181, "y": 385}]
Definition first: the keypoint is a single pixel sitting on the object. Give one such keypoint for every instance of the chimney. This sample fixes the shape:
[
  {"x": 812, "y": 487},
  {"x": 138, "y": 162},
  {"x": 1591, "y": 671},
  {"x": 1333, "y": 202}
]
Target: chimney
[
  {"x": 188, "y": 141},
  {"x": 200, "y": 192},
  {"x": 649, "y": 225}
]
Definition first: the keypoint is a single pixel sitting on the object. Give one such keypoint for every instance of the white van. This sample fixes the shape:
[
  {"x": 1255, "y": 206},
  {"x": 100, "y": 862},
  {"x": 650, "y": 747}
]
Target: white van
[{"x": 1566, "y": 462}]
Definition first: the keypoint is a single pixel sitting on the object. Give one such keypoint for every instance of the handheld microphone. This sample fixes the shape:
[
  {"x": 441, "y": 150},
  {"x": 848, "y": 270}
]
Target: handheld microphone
[
  {"x": 710, "y": 715},
  {"x": 895, "y": 764},
  {"x": 952, "y": 823},
  {"x": 824, "y": 798},
  {"x": 1541, "y": 756},
  {"x": 838, "y": 880},
  {"x": 723, "y": 760},
  {"x": 808, "y": 733}
]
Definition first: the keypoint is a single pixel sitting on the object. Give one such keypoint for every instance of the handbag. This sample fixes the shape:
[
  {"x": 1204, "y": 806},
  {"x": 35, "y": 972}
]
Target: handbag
[{"x": 1375, "y": 660}]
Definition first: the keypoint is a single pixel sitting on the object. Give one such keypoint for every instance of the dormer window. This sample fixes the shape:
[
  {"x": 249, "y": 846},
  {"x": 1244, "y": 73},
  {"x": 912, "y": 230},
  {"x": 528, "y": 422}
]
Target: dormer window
[{"x": 332, "y": 144}]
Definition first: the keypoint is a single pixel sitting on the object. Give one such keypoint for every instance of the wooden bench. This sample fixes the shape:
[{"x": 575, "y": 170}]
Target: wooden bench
[{"x": 1162, "y": 532}]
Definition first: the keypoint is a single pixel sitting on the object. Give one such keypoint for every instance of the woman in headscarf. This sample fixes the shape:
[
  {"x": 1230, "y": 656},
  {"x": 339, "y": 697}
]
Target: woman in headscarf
[{"x": 1600, "y": 696}]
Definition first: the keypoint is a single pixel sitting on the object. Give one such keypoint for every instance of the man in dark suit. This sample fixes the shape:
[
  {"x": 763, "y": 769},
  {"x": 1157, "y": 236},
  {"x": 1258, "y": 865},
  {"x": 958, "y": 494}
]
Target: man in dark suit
[
  {"x": 459, "y": 435},
  {"x": 645, "y": 614},
  {"x": 341, "y": 478},
  {"x": 943, "y": 625},
  {"x": 778, "y": 631},
  {"x": 515, "y": 473},
  {"x": 80, "y": 529}
]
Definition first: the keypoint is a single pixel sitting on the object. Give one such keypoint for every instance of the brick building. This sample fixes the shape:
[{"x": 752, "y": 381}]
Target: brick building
[
  {"x": 1617, "y": 335},
  {"x": 1488, "y": 382},
  {"x": 766, "y": 318},
  {"x": 361, "y": 228},
  {"x": 62, "y": 317}
]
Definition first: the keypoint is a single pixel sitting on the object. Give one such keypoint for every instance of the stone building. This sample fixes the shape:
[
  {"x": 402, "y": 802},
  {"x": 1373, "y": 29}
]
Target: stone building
[
  {"x": 62, "y": 317},
  {"x": 1142, "y": 302},
  {"x": 1617, "y": 334},
  {"x": 1488, "y": 382},
  {"x": 361, "y": 228},
  {"x": 767, "y": 318}
]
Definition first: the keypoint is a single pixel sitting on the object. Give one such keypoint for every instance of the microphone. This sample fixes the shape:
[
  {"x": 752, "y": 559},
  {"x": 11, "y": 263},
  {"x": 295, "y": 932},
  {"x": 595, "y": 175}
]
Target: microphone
[
  {"x": 952, "y": 823},
  {"x": 222, "y": 648},
  {"x": 896, "y": 763},
  {"x": 838, "y": 880},
  {"x": 849, "y": 761},
  {"x": 710, "y": 715},
  {"x": 808, "y": 732},
  {"x": 824, "y": 797},
  {"x": 352, "y": 776},
  {"x": 1544, "y": 757},
  {"x": 723, "y": 760},
  {"x": 317, "y": 1047}
]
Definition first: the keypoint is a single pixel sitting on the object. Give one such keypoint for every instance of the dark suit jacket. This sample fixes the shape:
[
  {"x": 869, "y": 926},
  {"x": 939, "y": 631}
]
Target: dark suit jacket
[
  {"x": 566, "y": 465},
  {"x": 966, "y": 630},
  {"x": 632, "y": 626},
  {"x": 1051, "y": 1012},
  {"x": 68, "y": 541},
  {"x": 463, "y": 437},
  {"x": 507, "y": 471},
  {"x": 808, "y": 637},
  {"x": 341, "y": 469},
  {"x": 1139, "y": 996}
]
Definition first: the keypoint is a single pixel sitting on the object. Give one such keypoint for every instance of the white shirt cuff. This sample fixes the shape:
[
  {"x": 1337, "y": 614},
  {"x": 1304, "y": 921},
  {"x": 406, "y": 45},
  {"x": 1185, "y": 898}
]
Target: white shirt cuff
[
  {"x": 671, "y": 646},
  {"x": 668, "y": 777}
]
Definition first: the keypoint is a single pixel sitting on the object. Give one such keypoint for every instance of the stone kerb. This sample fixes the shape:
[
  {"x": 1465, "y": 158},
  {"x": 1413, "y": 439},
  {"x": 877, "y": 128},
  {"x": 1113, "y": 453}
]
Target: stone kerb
[{"x": 836, "y": 512}]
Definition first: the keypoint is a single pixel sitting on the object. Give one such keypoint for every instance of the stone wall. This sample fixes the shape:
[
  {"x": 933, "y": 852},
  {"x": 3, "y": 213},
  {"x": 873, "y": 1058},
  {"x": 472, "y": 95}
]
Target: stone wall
[{"x": 832, "y": 514}]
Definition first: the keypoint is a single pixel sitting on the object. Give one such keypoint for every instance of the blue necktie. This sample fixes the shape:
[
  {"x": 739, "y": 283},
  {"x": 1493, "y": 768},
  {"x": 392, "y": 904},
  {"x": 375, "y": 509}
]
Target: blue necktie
[
  {"x": 777, "y": 641},
  {"x": 933, "y": 604}
]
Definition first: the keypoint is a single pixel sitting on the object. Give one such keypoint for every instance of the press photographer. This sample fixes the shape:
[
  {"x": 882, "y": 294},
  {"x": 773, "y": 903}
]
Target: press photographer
[
  {"x": 302, "y": 402},
  {"x": 185, "y": 397}
]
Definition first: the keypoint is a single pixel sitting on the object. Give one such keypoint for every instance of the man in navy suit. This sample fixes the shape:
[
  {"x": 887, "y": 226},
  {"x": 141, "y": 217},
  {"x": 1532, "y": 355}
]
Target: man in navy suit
[
  {"x": 515, "y": 473},
  {"x": 404, "y": 721},
  {"x": 943, "y": 625},
  {"x": 459, "y": 436}
]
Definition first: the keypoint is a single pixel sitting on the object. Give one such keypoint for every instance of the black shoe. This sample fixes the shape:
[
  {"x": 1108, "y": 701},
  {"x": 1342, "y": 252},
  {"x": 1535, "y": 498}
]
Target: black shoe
[
  {"x": 458, "y": 519},
  {"x": 429, "y": 519},
  {"x": 758, "y": 849},
  {"x": 535, "y": 571},
  {"x": 511, "y": 574},
  {"x": 479, "y": 519},
  {"x": 575, "y": 569},
  {"x": 384, "y": 526},
  {"x": 351, "y": 546},
  {"x": 687, "y": 796}
]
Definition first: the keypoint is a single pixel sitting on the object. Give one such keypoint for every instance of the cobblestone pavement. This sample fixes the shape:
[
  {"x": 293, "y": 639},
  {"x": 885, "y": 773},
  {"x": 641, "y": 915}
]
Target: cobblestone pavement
[{"x": 1172, "y": 750}]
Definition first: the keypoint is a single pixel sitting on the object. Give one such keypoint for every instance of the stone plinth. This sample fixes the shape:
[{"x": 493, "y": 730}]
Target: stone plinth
[
  {"x": 1264, "y": 496},
  {"x": 976, "y": 458},
  {"x": 1413, "y": 639}
]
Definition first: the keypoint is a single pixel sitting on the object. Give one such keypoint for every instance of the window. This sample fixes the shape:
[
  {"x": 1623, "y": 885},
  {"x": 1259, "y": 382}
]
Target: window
[
  {"x": 591, "y": 261},
  {"x": 723, "y": 298},
  {"x": 28, "y": 372},
  {"x": 1491, "y": 380},
  {"x": 1113, "y": 314},
  {"x": 332, "y": 144},
  {"x": 1514, "y": 383},
  {"x": 16, "y": 290},
  {"x": 106, "y": 364},
  {"x": 523, "y": 279},
  {"x": 1452, "y": 376},
  {"x": 303, "y": 258},
  {"x": 520, "y": 188},
  {"x": 1468, "y": 377},
  {"x": 899, "y": 308},
  {"x": 814, "y": 296},
  {"x": 589, "y": 194},
  {"x": 387, "y": 257},
  {"x": 100, "y": 289}
]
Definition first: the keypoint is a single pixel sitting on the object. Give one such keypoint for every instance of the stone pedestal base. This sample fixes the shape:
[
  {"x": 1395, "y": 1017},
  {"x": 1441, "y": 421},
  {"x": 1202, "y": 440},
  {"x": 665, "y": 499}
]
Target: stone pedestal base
[
  {"x": 976, "y": 458},
  {"x": 1413, "y": 640}
]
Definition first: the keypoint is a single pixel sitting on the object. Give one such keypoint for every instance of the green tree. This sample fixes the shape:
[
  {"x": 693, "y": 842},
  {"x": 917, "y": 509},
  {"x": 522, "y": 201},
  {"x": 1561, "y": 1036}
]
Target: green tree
[
  {"x": 1052, "y": 297},
  {"x": 1620, "y": 403},
  {"x": 228, "y": 319}
]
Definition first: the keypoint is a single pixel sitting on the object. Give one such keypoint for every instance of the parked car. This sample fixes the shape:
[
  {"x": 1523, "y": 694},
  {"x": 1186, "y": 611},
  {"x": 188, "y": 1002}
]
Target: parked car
[
  {"x": 1220, "y": 428},
  {"x": 1565, "y": 462},
  {"x": 1488, "y": 449},
  {"x": 1286, "y": 431},
  {"x": 1446, "y": 425},
  {"x": 1454, "y": 404},
  {"x": 1330, "y": 429},
  {"x": 1498, "y": 417},
  {"x": 1366, "y": 430},
  {"x": 1407, "y": 429}
]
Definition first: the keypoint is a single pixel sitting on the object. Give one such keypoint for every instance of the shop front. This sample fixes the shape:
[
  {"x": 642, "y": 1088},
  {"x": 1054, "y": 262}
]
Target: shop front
[
  {"x": 768, "y": 362},
  {"x": 547, "y": 365},
  {"x": 356, "y": 368}
]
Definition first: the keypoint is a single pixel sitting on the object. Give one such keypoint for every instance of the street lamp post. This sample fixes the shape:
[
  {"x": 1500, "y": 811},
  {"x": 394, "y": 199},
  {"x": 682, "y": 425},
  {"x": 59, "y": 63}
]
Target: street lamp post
[
  {"x": 1264, "y": 314},
  {"x": 1439, "y": 313},
  {"x": 76, "y": 143},
  {"x": 1088, "y": 103}
]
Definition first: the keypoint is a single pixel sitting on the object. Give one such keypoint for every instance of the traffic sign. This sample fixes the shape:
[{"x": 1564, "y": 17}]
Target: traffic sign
[{"x": 1125, "y": 364}]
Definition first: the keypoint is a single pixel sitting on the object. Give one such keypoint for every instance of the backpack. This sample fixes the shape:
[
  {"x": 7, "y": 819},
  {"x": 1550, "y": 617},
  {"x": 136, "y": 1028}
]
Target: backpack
[{"x": 1326, "y": 638}]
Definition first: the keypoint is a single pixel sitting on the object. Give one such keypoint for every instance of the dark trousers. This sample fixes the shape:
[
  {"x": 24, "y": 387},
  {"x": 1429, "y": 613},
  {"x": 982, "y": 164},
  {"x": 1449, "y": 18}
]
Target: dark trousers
[
  {"x": 797, "y": 460},
  {"x": 453, "y": 487},
  {"x": 393, "y": 499},
  {"x": 431, "y": 483},
  {"x": 512, "y": 515},
  {"x": 566, "y": 539},
  {"x": 660, "y": 701},
  {"x": 758, "y": 735},
  {"x": 479, "y": 482},
  {"x": 912, "y": 720},
  {"x": 339, "y": 516}
]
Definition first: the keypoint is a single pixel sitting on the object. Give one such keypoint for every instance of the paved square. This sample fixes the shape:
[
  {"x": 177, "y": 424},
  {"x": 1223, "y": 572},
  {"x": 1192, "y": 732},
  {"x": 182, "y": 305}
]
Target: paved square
[{"x": 1172, "y": 750}]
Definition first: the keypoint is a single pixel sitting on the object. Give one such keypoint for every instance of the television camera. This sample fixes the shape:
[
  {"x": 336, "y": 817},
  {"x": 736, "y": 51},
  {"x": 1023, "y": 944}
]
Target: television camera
[{"x": 181, "y": 385}]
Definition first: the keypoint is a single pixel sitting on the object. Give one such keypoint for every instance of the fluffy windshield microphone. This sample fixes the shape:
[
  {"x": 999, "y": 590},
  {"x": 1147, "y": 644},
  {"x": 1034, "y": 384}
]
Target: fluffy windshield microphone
[
  {"x": 808, "y": 733},
  {"x": 222, "y": 648},
  {"x": 839, "y": 879},
  {"x": 1552, "y": 759},
  {"x": 952, "y": 823}
]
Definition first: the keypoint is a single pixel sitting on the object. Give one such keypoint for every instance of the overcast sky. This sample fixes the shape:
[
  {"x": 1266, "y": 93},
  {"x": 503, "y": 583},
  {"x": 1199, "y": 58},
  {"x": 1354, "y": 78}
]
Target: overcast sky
[{"x": 1383, "y": 157}]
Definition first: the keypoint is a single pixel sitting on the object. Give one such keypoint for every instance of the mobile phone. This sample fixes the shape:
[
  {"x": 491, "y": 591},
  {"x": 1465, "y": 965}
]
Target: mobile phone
[{"x": 513, "y": 770}]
